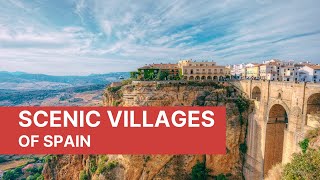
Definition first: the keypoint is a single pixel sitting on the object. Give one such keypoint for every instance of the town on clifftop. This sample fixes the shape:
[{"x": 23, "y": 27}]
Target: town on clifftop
[{"x": 190, "y": 70}]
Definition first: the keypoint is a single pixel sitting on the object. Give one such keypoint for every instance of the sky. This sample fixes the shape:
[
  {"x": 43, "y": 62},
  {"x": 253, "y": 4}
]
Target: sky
[{"x": 81, "y": 37}]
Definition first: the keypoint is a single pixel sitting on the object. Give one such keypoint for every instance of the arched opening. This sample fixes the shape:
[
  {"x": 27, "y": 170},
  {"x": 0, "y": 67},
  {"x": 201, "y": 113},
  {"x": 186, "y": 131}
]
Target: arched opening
[
  {"x": 203, "y": 77},
  {"x": 277, "y": 123},
  {"x": 191, "y": 78},
  {"x": 197, "y": 77},
  {"x": 215, "y": 77},
  {"x": 256, "y": 93},
  {"x": 209, "y": 78},
  {"x": 220, "y": 78},
  {"x": 313, "y": 110},
  {"x": 185, "y": 77}
]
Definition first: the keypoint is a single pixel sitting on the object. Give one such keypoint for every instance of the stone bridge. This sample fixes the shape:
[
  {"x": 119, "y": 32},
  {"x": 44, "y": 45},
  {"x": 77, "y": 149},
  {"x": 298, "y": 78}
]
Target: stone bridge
[{"x": 283, "y": 113}]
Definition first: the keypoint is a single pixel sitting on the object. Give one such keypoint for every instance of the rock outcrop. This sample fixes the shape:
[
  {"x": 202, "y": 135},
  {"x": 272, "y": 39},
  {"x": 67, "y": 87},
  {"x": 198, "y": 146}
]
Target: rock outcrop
[{"x": 163, "y": 166}]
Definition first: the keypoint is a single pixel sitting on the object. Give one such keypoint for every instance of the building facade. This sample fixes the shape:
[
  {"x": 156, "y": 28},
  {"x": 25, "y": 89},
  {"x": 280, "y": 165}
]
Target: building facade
[
  {"x": 237, "y": 70},
  {"x": 270, "y": 70},
  {"x": 252, "y": 71},
  {"x": 289, "y": 73},
  {"x": 192, "y": 70},
  {"x": 309, "y": 73}
]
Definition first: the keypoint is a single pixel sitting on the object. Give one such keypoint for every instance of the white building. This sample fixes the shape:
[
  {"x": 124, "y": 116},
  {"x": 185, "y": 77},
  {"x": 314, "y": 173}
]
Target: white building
[
  {"x": 237, "y": 70},
  {"x": 270, "y": 70},
  {"x": 289, "y": 73},
  {"x": 309, "y": 73}
]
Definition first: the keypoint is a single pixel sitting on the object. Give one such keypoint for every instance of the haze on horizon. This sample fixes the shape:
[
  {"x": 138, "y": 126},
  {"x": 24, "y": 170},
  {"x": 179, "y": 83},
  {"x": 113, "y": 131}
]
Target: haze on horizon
[{"x": 80, "y": 37}]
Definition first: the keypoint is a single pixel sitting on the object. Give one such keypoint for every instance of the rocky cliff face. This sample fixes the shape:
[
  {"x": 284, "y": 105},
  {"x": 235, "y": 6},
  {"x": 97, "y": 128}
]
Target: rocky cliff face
[{"x": 163, "y": 166}]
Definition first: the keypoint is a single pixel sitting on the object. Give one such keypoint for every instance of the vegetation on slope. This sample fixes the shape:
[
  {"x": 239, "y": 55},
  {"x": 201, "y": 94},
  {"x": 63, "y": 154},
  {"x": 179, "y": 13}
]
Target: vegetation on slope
[
  {"x": 30, "y": 171},
  {"x": 305, "y": 165}
]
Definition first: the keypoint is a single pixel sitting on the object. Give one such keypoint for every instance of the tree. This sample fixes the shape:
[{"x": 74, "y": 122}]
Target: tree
[
  {"x": 162, "y": 75},
  {"x": 11, "y": 175},
  {"x": 199, "y": 171}
]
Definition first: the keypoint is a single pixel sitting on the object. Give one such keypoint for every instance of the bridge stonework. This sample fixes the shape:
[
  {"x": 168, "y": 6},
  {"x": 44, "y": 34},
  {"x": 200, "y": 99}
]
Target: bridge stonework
[{"x": 283, "y": 113}]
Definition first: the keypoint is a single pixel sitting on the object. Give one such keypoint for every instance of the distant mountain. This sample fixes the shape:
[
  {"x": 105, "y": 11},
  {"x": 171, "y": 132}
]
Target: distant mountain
[{"x": 26, "y": 81}]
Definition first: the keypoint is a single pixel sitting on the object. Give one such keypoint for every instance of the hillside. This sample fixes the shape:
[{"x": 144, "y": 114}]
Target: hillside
[
  {"x": 23, "y": 89},
  {"x": 73, "y": 96},
  {"x": 26, "y": 81}
]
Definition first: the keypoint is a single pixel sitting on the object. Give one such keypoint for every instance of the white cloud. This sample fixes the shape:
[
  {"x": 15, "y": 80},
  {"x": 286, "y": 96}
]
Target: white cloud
[{"x": 117, "y": 32}]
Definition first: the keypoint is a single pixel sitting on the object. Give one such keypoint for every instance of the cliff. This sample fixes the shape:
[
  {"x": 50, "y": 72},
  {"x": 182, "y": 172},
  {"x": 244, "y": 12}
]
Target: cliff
[{"x": 163, "y": 166}]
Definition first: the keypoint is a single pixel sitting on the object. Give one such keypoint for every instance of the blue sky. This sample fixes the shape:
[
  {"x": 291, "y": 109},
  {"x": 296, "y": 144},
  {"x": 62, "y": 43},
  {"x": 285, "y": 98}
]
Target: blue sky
[{"x": 81, "y": 37}]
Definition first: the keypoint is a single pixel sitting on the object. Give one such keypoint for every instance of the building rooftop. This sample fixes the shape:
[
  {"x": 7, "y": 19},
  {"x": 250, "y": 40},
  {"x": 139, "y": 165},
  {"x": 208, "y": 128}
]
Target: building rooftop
[{"x": 317, "y": 67}]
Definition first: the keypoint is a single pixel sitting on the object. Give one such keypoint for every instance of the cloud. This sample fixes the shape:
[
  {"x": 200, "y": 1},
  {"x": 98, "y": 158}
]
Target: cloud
[{"x": 101, "y": 36}]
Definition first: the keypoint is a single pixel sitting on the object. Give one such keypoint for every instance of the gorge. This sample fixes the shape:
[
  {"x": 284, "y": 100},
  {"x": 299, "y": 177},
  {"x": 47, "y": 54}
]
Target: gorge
[{"x": 265, "y": 123}]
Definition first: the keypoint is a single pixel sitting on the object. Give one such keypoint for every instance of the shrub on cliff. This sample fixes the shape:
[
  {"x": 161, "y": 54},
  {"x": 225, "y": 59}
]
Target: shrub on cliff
[
  {"x": 199, "y": 171},
  {"x": 114, "y": 89},
  {"x": 83, "y": 176},
  {"x": 93, "y": 165},
  {"x": 304, "y": 145},
  {"x": 243, "y": 148},
  {"x": 242, "y": 104},
  {"x": 303, "y": 166}
]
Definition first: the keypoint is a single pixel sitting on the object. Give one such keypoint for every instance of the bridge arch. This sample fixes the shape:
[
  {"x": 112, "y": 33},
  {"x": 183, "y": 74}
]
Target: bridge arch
[
  {"x": 256, "y": 93},
  {"x": 276, "y": 124},
  {"x": 313, "y": 103},
  {"x": 313, "y": 108}
]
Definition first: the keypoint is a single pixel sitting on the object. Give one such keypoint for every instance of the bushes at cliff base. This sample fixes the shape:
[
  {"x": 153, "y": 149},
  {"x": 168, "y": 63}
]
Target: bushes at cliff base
[{"x": 303, "y": 166}]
